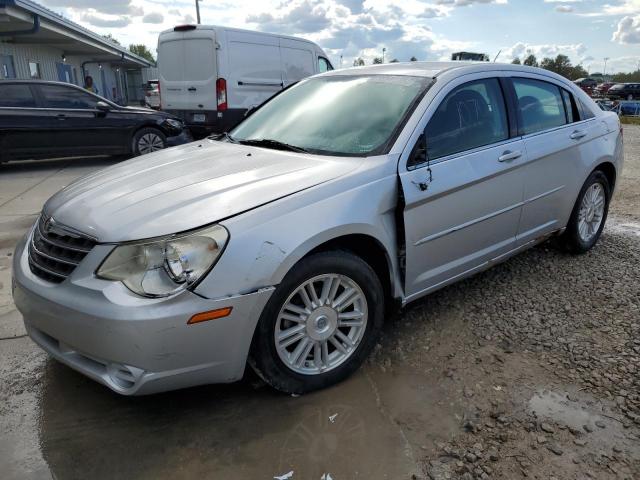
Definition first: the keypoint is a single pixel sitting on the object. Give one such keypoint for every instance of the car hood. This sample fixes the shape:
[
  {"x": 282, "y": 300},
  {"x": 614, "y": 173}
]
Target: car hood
[{"x": 186, "y": 187}]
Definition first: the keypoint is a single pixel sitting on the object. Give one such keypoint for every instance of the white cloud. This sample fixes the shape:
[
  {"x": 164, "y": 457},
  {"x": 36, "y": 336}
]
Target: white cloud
[
  {"x": 628, "y": 30},
  {"x": 564, "y": 8},
  {"x": 576, "y": 52},
  {"x": 112, "y": 7},
  {"x": 106, "y": 21},
  {"x": 153, "y": 17}
]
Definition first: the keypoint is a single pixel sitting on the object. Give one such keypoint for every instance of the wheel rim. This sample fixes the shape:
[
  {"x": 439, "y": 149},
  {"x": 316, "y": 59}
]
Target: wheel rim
[
  {"x": 591, "y": 212},
  {"x": 321, "y": 324},
  {"x": 150, "y": 142}
]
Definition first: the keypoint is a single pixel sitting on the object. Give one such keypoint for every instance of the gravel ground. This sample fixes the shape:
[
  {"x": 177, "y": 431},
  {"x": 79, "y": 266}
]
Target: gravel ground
[{"x": 544, "y": 353}]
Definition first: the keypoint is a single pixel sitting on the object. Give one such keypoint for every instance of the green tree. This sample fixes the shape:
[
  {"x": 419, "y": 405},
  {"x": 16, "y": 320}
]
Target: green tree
[
  {"x": 413, "y": 59},
  {"x": 358, "y": 62},
  {"x": 516, "y": 61},
  {"x": 377, "y": 60},
  {"x": 562, "y": 66},
  {"x": 111, "y": 38},
  {"x": 142, "y": 51},
  {"x": 531, "y": 60},
  {"x": 627, "y": 77}
]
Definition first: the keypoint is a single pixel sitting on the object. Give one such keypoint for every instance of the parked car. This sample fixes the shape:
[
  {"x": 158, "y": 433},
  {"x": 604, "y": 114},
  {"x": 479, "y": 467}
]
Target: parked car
[
  {"x": 586, "y": 84},
  {"x": 602, "y": 89},
  {"x": 152, "y": 94},
  {"x": 210, "y": 76},
  {"x": 284, "y": 243},
  {"x": 40, "y": 119},
  {"x": 624, "y": 91}
]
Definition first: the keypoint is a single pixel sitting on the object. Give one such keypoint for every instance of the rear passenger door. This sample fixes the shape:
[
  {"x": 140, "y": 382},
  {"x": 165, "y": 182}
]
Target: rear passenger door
[
  {"x": 23, "y": 126},
  {"x": 463, "y": 195},
  {"x": 553, "y": 134}
]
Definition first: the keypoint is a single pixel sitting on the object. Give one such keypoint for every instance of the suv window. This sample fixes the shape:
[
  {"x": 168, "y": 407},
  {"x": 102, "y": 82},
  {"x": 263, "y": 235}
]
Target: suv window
[
  {"x": 540, "y": 105},
  {"x": 56, "y": 96},
  {"x": 323, "y": 65},
  {"x": 16, "y": 95},
  {"x": 470, "y": 116}
]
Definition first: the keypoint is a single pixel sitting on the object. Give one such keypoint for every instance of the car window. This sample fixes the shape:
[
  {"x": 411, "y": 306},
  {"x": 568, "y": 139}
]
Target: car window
[
  {"x": 540, "y": 105},
  {"x": 323, "y": 65},
  {"x": 56, "y": 96},
  {"x": 16, "y": 95},
  {"x": 570, "y": 107},
  {"x": 472, "y": 115}
]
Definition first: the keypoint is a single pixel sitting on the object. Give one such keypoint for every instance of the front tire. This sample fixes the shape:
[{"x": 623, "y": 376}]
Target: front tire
[
  {"x": 320, "y": 323},
  {"x": 148, "y": 140},
  {"x": 589, "y": 214}
]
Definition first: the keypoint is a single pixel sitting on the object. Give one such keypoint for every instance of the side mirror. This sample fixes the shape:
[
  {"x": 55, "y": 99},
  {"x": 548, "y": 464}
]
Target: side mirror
[
  {"x": 103, "y": 107},
  {"x": 419, "y": 152}
]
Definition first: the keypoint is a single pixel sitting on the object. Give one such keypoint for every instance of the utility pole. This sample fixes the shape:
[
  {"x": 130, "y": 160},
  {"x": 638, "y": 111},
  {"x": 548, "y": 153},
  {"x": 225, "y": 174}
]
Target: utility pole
[
  {"x": 383, "y": 50},
  {"x": 340, "y": 61},
  {"x": 604, "y": 72},
  {"x": 198, "y": 11}
]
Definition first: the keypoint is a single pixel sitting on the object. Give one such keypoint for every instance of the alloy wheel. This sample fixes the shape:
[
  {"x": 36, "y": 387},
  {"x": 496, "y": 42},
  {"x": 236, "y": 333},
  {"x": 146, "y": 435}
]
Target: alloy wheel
[
  {"x": 150, "y": 142},
  {"x": 591, "y": 212},
  {"x": 321, "y": 324}
]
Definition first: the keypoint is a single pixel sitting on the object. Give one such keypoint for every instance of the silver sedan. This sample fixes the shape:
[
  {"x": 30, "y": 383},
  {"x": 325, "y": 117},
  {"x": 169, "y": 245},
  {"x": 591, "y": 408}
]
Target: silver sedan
[{"x": 285, "y": 243}]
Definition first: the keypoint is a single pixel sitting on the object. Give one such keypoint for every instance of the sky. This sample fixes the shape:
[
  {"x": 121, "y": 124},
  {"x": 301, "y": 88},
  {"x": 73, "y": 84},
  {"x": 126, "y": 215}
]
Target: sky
[{"x": 588, "y": 31}]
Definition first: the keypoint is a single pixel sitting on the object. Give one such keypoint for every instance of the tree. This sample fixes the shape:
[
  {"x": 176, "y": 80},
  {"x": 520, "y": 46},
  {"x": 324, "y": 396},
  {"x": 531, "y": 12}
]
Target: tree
[
  {"x": 358, "y": 62},
  {"x": 111, "y": 38},
  {"x": 395, "y": 60},
  {"x": 142, "y": 51},
  {"x": 562, "y": 66},
  {"x": 516, "y": 61},
  {"x": 377, "y": 60},
  {"x": 413, "y": 59},
  {"x": 531, "y": 60}
]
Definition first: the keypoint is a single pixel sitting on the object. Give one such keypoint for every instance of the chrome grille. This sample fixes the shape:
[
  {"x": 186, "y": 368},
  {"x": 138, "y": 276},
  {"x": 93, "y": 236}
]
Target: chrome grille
[{"x": 55, "y": 251}]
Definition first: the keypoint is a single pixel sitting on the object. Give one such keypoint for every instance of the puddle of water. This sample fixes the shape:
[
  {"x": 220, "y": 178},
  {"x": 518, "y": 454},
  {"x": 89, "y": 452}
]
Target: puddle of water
[
  {"x": 370, "y": 426},
  {"x": 559, "y": 408}
]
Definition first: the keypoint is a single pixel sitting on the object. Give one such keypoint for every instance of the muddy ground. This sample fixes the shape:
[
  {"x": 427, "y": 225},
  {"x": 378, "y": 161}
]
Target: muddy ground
[{"x": 528, "y": 370}]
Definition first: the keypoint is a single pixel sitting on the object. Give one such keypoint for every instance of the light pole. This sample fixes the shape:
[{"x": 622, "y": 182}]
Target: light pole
[
  {"x": 383, "y": 50},
  {"x": 604, "y": 72},
  {"x": 198, "y": 11}
]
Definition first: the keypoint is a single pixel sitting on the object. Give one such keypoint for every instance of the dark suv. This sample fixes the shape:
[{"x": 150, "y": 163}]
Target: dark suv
[
  {"x": 624, "y": 91},
  {"x": 40, "y": 119}
]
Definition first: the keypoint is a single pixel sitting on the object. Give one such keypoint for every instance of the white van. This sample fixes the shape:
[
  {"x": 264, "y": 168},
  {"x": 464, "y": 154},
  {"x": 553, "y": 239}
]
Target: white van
[{"x": 210, "y": 76}]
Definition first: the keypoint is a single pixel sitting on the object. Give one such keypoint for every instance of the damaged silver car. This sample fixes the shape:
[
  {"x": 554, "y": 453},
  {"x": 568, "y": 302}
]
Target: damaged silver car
[{"x": 284, "y": 243}]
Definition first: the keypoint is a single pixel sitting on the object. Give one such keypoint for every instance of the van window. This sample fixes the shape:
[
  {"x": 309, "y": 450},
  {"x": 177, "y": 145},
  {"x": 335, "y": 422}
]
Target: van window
[
  {"x": 16, "y": 95},
  {"x": 323, "y": 65},
  {"x": 191, "y": 58},
  {"x": 540, "y": 105},
  {"x": 471, "y": 116}
]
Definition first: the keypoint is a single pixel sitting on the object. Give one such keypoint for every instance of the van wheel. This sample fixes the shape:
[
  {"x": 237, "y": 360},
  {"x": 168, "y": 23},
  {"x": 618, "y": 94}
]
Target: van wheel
[
  {"x": 589, "y": 215},
  {"x": 320, "y": 323},
  {"x": 148, "y": 140}
]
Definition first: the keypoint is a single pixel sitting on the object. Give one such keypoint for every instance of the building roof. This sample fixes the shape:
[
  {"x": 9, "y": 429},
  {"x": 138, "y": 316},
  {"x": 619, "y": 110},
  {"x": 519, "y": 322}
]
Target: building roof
[{"x": 25, "y": 21}]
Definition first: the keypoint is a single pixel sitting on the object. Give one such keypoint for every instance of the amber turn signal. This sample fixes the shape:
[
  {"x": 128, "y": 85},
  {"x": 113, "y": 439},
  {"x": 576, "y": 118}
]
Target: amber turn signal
[{"x": 210, "y": 315}]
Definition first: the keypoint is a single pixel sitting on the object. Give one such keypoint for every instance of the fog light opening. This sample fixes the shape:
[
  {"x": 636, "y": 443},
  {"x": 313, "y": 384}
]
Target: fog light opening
[{"x": 210, "y": 315}]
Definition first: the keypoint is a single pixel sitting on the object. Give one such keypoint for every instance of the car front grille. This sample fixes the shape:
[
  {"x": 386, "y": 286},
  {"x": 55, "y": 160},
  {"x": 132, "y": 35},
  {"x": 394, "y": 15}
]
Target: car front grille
[{"x": 55, "y": 251}]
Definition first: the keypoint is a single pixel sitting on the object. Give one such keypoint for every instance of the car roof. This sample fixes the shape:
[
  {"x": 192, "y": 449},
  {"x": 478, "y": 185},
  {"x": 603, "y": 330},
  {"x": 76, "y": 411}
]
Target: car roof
[
  {"x": 38, "y": 82},
  {"x": 435, "y": 69}
]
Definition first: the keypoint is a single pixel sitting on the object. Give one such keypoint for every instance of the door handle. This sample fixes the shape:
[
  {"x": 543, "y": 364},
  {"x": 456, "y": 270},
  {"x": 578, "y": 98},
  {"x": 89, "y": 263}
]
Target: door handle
[
  {"x": 508, "y": 155},
  {"x": 578, "y": 134},
  {"x": 61, "y": 116},
  {"x": 192, "y": 89}
]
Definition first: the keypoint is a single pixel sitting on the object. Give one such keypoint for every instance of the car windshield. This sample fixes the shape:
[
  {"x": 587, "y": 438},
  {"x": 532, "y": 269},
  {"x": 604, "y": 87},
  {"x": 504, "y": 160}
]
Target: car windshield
[{"x": 335, "y": 115}]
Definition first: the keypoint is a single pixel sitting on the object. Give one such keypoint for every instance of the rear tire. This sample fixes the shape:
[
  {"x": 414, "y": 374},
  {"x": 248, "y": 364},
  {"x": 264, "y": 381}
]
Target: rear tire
[
  {"x": 589, "y": 215},
  {"x": 324, "y": 325},
  {"x": 148, "y": 140}
]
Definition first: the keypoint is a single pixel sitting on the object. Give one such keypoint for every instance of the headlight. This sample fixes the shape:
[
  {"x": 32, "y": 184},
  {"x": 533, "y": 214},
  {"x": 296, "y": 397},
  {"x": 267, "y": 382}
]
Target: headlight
[
  {"x": 163, "y": 267},
  {"x": 177, "y": 124}
]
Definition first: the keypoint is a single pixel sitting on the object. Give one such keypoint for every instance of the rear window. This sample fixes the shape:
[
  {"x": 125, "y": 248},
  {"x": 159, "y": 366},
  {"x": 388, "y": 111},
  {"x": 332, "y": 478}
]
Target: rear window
[
  {"x": 540, "y": 105},
  {"x": 188, "y": 59},
  {"x": 16, "y": 95}
]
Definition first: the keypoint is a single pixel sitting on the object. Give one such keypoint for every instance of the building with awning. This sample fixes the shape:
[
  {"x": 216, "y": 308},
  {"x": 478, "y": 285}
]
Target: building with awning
[{"x": 36, "y": 42}]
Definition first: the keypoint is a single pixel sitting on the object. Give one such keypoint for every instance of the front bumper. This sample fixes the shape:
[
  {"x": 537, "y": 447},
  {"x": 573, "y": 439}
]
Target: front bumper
[
  {"x": 130, "y": 344},
  {"x": 184, "y": 137}
]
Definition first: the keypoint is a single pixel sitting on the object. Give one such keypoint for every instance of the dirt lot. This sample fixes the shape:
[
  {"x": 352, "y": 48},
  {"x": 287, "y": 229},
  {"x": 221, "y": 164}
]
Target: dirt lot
[{"x": 529, "y": 370}]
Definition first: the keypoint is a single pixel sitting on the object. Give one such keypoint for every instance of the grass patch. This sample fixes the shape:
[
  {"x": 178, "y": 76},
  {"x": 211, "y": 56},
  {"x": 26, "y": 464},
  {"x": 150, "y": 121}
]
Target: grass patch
[{"x": 630, "y": 120}]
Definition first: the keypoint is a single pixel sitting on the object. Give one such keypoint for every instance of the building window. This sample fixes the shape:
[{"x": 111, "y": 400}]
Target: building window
[
  {"x": 7, "y": 69},
  {"x": 34, "y": 69}
]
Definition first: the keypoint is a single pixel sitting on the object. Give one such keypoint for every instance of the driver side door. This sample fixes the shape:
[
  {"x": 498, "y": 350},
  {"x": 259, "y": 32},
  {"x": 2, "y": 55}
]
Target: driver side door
[{"x": 463, "y": 186}]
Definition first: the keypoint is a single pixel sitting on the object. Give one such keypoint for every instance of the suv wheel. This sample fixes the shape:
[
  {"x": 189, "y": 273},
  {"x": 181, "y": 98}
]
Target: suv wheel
[
  {"x": 589, "y": 214},
  {"x": 320, "y": 323},
  {"x": 148, "y": 140}
]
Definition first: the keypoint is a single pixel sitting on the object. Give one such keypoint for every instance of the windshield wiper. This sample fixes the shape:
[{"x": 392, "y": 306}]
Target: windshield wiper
[{"x": 275, "y": 144}]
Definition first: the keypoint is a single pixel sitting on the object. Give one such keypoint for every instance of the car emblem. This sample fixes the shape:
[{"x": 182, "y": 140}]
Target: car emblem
[{"x": 49, "y": 224}]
